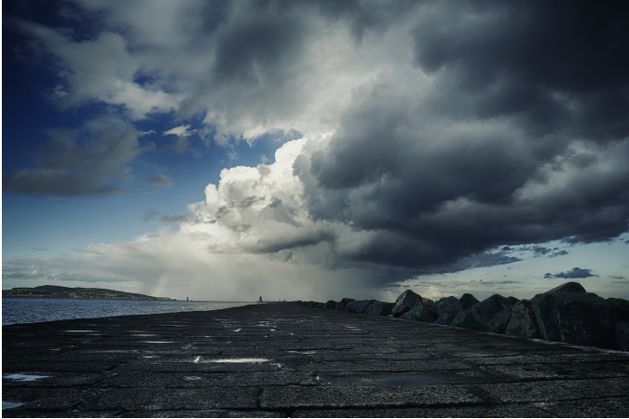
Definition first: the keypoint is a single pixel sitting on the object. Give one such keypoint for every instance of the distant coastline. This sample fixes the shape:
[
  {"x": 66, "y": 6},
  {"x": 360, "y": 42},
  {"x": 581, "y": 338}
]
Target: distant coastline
[{"x": 54, "y": 291}]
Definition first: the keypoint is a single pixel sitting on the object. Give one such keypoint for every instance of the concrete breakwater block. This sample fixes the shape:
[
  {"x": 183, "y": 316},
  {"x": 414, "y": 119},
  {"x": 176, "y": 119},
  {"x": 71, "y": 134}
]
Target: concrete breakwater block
[{"x": 567, "y": 313}]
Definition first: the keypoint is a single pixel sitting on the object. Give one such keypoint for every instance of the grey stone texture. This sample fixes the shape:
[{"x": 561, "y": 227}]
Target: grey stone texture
[
  {"x": 405, "y": 302},
  {"x": 523, "y": 321},
  {"x": 570, "y": 314},
  {"x": 490, "y": 315},
  {"x": 296, "y": 359},
  {"x": 421, "y": 311}
]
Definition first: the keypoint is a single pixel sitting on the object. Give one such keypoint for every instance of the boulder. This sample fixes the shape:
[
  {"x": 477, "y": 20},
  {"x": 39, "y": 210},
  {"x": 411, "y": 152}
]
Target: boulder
[
  {"x": 621, "y": 307},
  {"x": 421, "y": 311},
  {"x": 512, "y": 300},
  {"x": 490, "y": 315},
  {"x": 357, "y": 306},
  {"x": 570, "y": 314},
  {"x": 345, "y": 301},
  {"x": 467, "y": 301},
  {"x": 469, "y": 319},
  {"x": 405, "y": 302},
  {"x": 570, "y": 287},
  {"x": 379, "y": 308},
  {"x": 622, "y": 335},
  {"x": 313, "y": 304},
  {"x": 332, "y": 305},
  {"x": 446, "y": 309},
  {"x": 443, "y": 304},
  {"x": 497, "y": 311},
  {"x": 523, "y": 322}
]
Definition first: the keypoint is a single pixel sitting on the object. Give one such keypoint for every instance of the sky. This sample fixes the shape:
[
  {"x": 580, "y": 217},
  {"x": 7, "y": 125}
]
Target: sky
[{"x": 224, "y": 150}]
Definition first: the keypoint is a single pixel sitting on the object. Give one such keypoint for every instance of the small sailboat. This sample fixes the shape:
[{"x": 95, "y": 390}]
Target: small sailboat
[
  {"x": 187, "y": 299},
  {"x": 260, "y": 299}
]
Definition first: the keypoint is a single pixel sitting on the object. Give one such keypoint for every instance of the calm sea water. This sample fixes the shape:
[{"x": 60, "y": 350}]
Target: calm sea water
[{"x": 31, "y": 310}]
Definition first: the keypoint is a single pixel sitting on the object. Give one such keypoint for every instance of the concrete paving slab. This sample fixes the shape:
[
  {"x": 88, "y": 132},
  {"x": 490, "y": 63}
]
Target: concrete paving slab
[
  {"x": 365, "y": 396},
  {"x": 318, "y": 363},
  {"x": 557, "y": 390},
  {"x": 607, "y": 407},
  {"x": 443, "y": 412},
  {"x": 147, "y": 399}
]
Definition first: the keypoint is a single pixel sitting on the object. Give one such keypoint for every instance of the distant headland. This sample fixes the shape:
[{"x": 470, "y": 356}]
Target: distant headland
[{"x": 54, "y": 291}]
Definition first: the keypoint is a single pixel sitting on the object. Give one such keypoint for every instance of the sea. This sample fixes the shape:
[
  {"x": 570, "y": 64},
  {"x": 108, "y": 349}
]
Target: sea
[{"x": 32, "y": 310}]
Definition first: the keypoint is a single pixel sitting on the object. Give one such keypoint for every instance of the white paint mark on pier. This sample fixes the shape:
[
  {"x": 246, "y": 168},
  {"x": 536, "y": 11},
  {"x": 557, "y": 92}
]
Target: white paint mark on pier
[
  {"x": 196, "y": 359},
  {"x": 352, "y": 328},
  {"x": 144, "y": 335},
  {"x": 238, "y": 330},
  {"x": 6, "y": 404},
  {"x": 303, "y": 352},
  {"x": 192, "y": 378},
  {"x": 239, "y": 360},
  {"x": 25, "y": 377}
]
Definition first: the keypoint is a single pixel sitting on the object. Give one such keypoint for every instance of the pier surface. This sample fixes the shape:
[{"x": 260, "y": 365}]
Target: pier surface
[{"x": 288, "y": 359}]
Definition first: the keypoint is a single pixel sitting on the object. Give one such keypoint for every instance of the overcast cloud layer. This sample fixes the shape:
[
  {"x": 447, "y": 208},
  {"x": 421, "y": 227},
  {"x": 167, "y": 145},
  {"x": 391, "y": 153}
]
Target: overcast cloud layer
[{"x": 433, "y": 132}]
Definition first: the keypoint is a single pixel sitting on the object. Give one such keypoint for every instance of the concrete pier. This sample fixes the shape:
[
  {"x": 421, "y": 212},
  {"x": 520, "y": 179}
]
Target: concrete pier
[{"x": 288, "y": 359}]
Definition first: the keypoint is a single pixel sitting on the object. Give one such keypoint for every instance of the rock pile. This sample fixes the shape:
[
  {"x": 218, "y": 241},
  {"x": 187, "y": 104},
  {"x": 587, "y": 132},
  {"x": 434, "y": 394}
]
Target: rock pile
[{"x": 567, "y": 313}]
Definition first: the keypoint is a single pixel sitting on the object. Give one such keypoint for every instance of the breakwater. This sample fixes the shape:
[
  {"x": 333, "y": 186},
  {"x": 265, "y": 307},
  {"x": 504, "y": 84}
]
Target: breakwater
[
  {"x": 567, "y": 313},
  {"x": 290, "y": 359}
]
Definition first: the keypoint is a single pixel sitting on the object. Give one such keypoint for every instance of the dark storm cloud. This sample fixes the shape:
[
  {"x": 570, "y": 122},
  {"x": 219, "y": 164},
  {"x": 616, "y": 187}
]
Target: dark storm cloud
[
  {"x": 254, "y": 56},
  {"x": 86, "y": 161},
  {"x": 433, "y": 197},
  {"x": 279, "y": 244},
  {"x": 539, "y": 251},
  {"x": 522, "y": 137},
  {"x": 258, "y": 48},
  {"x": 455, "y": 128},
  {"x": 574, "y": 273},
  {"x": 558, "y": 66}
]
